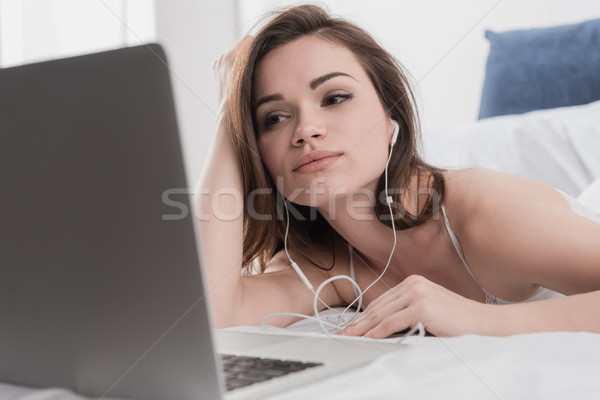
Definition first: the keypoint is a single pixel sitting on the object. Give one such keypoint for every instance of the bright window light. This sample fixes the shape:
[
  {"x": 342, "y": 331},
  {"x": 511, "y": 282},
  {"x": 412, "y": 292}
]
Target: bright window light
[{"x": 36, "y": 30}]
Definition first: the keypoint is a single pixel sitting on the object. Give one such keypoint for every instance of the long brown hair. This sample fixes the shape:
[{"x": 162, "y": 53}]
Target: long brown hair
[{"x": 264, "y": 222}]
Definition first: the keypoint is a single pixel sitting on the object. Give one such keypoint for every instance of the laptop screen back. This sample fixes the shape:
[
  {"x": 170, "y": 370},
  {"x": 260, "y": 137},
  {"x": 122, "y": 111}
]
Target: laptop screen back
[{"x": 100, "y": 283}]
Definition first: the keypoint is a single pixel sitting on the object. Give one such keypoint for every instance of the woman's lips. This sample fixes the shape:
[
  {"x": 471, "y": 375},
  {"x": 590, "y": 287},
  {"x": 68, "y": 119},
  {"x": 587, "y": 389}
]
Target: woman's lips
[{"x": 316, "y": 161}]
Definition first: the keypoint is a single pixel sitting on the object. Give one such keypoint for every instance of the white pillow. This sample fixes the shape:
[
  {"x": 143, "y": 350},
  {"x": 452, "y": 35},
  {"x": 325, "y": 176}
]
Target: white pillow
[
  {"x": 445, "y": 146},
  {"x": 560, "y": 146}
]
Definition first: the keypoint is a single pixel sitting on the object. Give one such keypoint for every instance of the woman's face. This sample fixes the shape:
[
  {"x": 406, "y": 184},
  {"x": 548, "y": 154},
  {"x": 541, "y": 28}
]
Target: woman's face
[{"x": 322, "y": 130}]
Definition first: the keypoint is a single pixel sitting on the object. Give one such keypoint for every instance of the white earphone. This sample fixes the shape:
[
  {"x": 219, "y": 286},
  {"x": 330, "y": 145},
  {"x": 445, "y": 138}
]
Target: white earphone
[{"x": 396, "y": 130}]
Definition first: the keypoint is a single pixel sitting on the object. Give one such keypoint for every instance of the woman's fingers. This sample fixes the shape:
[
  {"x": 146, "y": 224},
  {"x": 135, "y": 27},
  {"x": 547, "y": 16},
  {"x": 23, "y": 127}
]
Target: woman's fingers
[
  {"x": 416, "y": 299},
  {"x": 375, "y": 314},
  {"x": 364, "y": 323},
  {"x": 223, "y": 66},
  {"x": 379, "y": 315},
  {"x": 393, "y": 323}
]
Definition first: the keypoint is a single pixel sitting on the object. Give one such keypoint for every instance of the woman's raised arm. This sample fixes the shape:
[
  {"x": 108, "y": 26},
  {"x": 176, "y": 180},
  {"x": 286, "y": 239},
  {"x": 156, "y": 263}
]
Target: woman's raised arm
[
  {"x": 219, "y": 207},
  {"x": 238, "y": 300}
]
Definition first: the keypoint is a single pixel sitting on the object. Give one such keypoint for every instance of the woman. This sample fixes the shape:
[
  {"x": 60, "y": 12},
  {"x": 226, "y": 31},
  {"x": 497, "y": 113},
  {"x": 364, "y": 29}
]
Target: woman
[{"x": 307, "y": 111}]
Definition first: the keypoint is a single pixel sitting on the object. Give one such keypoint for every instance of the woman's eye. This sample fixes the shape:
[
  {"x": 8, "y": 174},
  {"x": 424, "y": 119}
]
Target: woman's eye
[
  {"x": 336, "y": 99},
  {"x": 273, "y": 120}
]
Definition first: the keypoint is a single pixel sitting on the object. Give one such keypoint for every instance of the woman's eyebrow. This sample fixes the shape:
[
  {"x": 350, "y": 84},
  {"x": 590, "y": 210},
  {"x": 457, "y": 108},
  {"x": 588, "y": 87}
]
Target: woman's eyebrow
[
  {"x": 266, "y": 99},
  {"x": 313, "y": 85},
  {"x": 317, "y": 81}
]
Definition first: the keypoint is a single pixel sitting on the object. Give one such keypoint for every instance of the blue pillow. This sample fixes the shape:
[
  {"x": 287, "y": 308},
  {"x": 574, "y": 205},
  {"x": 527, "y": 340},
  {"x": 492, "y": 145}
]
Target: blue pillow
[{"x": 541, "y": 68}]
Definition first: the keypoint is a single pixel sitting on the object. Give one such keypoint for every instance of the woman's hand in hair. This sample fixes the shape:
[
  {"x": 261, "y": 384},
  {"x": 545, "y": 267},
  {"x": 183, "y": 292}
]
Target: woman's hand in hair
[
  {"x": 223, "y": 67},
  {"x": 416, "y": 299}
]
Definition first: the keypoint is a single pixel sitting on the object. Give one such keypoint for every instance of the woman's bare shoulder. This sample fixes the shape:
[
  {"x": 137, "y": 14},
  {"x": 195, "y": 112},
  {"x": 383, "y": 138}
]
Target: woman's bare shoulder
[
  {"x": 517, "y": 232},
  {"x": 477, "y": 189}
]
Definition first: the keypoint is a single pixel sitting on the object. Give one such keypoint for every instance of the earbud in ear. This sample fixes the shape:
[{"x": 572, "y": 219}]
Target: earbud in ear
[{"x": 396, "y": 129}]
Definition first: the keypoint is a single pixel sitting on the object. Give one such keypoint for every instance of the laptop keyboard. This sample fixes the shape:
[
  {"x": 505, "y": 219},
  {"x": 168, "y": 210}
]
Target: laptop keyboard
[{"x": 242, "y": 371}]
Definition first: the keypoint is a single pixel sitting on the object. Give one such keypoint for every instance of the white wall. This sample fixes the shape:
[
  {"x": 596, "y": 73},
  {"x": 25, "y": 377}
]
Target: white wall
[
  {"x": 194, "y": 33},
  {"x": 442, "y": 42}
]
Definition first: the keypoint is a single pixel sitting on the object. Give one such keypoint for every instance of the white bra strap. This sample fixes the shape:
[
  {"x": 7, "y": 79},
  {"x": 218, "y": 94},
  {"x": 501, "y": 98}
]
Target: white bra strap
[{"x": 489, "y": 298}]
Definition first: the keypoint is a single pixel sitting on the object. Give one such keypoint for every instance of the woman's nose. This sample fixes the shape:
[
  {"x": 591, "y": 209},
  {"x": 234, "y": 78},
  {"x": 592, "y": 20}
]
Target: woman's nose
[{"x": 308, "y": 129}]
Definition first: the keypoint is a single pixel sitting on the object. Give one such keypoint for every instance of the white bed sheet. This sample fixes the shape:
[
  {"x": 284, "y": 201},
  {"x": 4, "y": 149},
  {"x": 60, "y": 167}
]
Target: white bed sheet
[
  {"x": 12, "y": 392},
  {"x": 549, "y": 365},
  {"x": 535, "y": 366}
]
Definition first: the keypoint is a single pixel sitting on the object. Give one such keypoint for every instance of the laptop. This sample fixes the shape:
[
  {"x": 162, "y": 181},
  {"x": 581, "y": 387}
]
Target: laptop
[{"x": 101, "y": 286}]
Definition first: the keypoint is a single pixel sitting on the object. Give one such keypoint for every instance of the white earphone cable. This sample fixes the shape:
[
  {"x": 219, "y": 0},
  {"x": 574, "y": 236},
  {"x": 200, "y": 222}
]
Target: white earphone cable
[
  {"x": 359, "y": 298},
  {"x": 294, "y": 265}
]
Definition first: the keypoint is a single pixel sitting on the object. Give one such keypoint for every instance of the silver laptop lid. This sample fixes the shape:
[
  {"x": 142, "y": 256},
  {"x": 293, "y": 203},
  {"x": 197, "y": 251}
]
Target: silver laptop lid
[{"x": 98, "y": 293}]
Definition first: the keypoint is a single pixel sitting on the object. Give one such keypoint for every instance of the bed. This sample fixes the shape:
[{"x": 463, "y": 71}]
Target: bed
[{"x": 549, "y": 132}]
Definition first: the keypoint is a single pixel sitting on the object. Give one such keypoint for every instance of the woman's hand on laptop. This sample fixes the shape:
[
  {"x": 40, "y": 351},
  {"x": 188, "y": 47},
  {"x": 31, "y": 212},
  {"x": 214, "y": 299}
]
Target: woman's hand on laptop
[{"x": 416, "y": 299}]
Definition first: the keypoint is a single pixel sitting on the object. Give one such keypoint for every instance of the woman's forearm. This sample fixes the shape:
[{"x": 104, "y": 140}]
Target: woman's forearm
[
  {"x": 580, "y": 312},
  {"x": 219, "y": 206}
]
